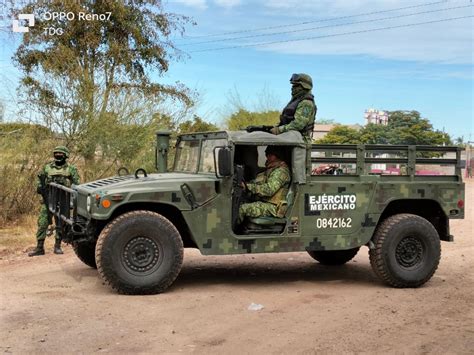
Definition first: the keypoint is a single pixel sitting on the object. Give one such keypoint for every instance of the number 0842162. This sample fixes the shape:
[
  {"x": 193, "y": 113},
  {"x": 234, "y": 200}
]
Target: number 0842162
[{"x": 334, "y": 222}]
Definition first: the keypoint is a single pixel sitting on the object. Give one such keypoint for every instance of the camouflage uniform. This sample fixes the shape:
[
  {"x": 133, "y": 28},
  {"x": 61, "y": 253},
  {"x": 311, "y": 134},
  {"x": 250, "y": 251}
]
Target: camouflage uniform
[
  {"x": 300, "y": 113},
  {"x": 270, "y": 187},
  {"x": 61, "y": 173}
]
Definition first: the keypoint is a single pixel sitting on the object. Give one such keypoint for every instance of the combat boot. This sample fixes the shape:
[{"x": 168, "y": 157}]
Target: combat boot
[
  {"x": 39, "y": 250},
  {"x": 57, "y": 247}
]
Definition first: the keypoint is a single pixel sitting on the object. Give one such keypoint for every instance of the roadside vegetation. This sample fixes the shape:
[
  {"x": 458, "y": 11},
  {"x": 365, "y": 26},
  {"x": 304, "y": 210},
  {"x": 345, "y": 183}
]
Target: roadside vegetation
[
  {"x": 404, "y": 127},
  {"x": 91, "y": 89}
]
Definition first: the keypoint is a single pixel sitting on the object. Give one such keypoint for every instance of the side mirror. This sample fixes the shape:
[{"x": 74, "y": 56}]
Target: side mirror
[{"x": 224, "y": 162}]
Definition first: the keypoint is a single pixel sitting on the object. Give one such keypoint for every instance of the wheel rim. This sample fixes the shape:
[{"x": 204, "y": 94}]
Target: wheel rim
[
  {"x": 409, "y": 252},
  {"x": 141, "y": 254}
]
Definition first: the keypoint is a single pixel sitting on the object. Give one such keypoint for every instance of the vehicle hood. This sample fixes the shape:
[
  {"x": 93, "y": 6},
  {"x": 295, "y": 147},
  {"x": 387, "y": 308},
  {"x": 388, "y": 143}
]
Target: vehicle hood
[{"x": 156, "y": 182}]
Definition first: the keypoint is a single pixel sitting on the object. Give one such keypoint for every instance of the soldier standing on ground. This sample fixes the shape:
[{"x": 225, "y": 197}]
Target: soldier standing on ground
[
  {"x": 58, "y": 171},
  {"x": 300, "y": 113},
  {"x": 270, "y": 188}
]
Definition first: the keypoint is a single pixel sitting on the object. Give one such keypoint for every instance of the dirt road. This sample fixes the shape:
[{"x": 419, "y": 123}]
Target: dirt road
[{"x": 57, "y": 304}]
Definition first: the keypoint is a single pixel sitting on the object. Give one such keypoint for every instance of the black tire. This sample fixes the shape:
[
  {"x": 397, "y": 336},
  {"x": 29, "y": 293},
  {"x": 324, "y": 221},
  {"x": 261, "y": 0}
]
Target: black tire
[
  {"x": 407, "y": 251},
  {"x": 86, "y": 253},
  {"x": 333, "y": 257},
  {"x": 138, "y": 253}
]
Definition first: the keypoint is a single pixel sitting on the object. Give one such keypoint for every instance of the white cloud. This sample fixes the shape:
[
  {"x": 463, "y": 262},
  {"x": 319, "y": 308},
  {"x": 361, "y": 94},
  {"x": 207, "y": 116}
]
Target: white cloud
[
  {"x": 444, "y": 42},
  {"x": 203, "y": 4},
  {"x": 198, "y": 4},
  {"x": 441, "y": 42},
  {"x": 227, "y": 3},
  {"x": 344, "y": 7}
]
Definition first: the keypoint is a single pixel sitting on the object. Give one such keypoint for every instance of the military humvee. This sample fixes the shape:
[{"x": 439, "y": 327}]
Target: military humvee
[{"x": 392, "y": 199}]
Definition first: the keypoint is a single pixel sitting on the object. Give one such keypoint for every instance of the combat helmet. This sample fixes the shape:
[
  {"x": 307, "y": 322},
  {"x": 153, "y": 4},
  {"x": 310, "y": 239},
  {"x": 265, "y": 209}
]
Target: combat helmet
[
  {"x": 62, "y": 149},
  {"x": 275, "y": 150},
  {"x": 302, "y": 79}
]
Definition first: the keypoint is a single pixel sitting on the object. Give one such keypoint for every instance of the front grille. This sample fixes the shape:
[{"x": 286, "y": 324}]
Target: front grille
[
  {"x": 108, "y": 181},
  {"x": 62, "y": 203}
]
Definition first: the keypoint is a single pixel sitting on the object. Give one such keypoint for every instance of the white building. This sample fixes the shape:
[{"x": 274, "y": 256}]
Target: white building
[{"x": 376, "y": 116}]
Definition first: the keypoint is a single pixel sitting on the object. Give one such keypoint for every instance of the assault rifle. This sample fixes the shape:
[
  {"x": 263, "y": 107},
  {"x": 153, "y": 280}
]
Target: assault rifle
[
  {"x": 237, "y": 194},
  {"x": 43, "y": 191},
  {"x": 262, "y": 128}
]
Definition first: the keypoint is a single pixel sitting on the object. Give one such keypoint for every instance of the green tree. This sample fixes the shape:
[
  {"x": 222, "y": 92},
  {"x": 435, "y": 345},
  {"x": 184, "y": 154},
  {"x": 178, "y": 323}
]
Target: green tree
[
  {"x": 16, "y": 129},
  {"x": 197, "y": 124},
  {"x": 404, "y": 127},
  {"x": 243, "y": 118},
  {"x": 24, "y": 148},
  {"x": 374, "y": 134},
  {"x": 459, "y": 141},
  {"x": 341, "y": 134},
  {"x": 96, "y": 75},
  {"x": 407, "y": 127}
]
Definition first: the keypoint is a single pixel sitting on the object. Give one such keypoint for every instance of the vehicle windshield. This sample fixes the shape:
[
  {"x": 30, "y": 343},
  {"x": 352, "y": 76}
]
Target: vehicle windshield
[{"x": 197, "y": 156}]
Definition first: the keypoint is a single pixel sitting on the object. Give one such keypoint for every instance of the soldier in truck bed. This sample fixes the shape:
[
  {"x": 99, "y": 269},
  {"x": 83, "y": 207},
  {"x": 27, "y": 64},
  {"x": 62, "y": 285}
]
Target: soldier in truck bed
[
  {"x": 300, "y": 113},
  {"x": 58, "y": 171}
]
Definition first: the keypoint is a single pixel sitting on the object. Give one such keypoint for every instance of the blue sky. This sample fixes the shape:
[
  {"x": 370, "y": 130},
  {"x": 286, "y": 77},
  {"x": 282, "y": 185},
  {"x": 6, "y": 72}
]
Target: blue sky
[{"x": 427, "y": 67}]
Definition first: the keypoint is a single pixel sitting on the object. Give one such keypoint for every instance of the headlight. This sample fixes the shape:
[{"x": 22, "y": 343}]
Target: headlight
[{"x": 88, "y": 203}]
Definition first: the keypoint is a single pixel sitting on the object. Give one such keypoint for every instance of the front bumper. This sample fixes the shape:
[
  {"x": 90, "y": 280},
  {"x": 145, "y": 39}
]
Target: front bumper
[{"x": 62, "y": 204}]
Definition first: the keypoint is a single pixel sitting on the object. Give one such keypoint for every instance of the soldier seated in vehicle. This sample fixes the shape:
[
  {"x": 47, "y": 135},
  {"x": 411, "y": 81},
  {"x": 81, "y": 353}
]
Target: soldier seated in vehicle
[{"x": 269, "y": 189}]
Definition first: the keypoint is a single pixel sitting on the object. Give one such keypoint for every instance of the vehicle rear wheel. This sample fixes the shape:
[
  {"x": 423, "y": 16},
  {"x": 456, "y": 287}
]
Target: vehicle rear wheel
[
  {"x": 86, "y": 253},
  {"x": 140, "y": 252},
  {"x": 333, "y": 257},
  {"x": 407, "y": 251}
]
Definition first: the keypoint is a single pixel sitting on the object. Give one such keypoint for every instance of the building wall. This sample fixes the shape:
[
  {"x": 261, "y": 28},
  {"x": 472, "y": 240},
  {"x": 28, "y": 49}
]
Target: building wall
[
  {"x": 320, "y": 130},
  {"x": 372, "y": 115}
]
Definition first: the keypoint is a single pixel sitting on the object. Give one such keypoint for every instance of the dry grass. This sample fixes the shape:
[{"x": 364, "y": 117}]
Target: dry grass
[{"x": 17, "y": 238}]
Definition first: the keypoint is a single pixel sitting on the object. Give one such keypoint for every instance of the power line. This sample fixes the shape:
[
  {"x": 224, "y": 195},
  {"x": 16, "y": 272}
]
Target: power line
[
  {"x": 316, "y": 21},
  {"x": 326, "y": 26},
  {"x": 332, "y": 35}
]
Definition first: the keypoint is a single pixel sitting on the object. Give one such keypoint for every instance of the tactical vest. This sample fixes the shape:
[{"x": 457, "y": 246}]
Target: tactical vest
[
  {"x": 280, "y": 196},
  {"x": 58, "y": 174},
  {"x": 288, "y": 113}
]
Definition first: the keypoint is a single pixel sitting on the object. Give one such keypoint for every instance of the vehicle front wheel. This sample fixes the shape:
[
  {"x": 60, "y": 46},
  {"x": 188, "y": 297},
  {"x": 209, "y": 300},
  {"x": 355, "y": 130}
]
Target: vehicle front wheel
[
  {"x": 86, "y": 253},
  {"x": 139, "y": 252},
  {"x": 407, "y": 250},
  {"x": 333, "y": 257}
]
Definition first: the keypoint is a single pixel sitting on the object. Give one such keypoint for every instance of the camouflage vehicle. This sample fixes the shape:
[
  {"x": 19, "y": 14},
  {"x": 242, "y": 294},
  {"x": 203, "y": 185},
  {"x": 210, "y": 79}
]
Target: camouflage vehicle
[{"x": 133, "y": 227}]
